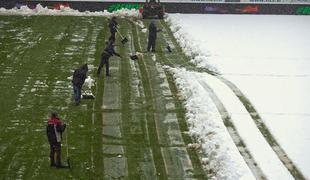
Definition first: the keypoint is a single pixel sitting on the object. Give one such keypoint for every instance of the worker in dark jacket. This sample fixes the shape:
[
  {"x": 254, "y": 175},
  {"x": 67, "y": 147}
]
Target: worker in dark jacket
[
  {"x": 152, "y": 36},
  {"x": 54, "y": 131},
  {"x": 105, "y": 56},
  {"x": 113, "y": 28},
  {"x": 78, "y": 80}
]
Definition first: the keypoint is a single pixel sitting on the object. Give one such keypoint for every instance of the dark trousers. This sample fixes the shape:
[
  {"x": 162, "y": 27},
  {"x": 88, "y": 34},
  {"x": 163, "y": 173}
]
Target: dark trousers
[
  {"x": 55, "y": 154},
  {"x": 151, "y": 44},
  {"x": 112, "y": 36},
  {"x": 77, "y": 93},
  {"x": 104, "y": 60}
]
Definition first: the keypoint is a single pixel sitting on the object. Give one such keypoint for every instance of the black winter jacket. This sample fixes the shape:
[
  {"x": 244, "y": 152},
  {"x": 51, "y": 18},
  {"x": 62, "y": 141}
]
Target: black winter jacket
[
  {"x": 79, "y": 76},
  {"x": 153, "y": 31},
  {"x": 109, "y": 51},
  {"x": 113, "y": 25}
]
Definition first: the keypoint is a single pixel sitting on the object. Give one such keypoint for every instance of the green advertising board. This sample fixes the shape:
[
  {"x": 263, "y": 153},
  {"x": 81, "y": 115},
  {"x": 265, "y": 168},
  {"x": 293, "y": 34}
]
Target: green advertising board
[
  {"x": 118, "y": 6},
  {"x": 305, "y": 10}
]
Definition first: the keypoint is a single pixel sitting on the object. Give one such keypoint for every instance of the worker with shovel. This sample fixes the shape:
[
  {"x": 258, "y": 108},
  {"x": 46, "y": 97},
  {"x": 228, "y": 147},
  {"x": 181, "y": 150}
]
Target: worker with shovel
[
  {"x": 54, "y": 131},
  {"x": 113, "y": 28},
  {"x": 105, "y": 56},
  {"x": 78, "y": 80}
]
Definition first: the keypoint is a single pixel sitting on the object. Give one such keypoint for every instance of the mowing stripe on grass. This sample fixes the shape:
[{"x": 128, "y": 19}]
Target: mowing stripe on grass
[
  {"x": 173, "y": 150},
  {"x": 140, "y": 156},
  {"x": 96, "y": 145},
  {"x": 149, "y": 107},
  {"x": 115, "y": 161},
  {"x": 52, "y": 47}
]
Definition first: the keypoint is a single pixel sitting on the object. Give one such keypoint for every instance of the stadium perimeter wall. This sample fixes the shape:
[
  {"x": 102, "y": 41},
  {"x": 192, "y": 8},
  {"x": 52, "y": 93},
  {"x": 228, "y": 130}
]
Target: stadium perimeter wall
[{"x": 286, "y": 7}]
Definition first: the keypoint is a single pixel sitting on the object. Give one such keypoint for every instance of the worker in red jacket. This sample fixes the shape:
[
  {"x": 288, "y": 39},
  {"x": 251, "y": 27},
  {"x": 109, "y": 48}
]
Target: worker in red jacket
[{"x": 54, "y": 131}]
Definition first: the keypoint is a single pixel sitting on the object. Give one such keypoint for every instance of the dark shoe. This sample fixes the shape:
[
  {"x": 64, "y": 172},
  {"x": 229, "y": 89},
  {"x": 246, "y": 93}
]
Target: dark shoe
[
  {"x": 107, "y": 74},
  {"x": 62, "y": 166},
  {"x": 153, "y": 51},
  {"x": 52, "y": 164}
]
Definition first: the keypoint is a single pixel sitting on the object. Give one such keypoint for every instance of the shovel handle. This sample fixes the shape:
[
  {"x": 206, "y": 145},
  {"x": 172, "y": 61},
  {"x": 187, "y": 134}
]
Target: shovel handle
[{"x": 119, "y": 33}]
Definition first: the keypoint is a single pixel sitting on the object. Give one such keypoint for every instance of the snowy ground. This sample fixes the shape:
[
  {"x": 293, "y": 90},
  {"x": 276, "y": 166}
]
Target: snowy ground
[{"x": 267, "y": 58}]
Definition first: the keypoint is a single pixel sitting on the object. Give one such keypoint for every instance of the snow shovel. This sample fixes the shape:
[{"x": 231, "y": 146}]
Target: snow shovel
[
  {"x": 133, "y": 57},
  {"x": 87, "y": 95},
  {"x": 168, "y": 48},
  {"x": 67, "y": 149},
  {"x": 124, "y": 39}
]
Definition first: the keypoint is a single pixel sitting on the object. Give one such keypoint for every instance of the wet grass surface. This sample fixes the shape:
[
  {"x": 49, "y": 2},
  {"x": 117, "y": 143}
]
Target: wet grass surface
[{"x": 38, "y": 54}]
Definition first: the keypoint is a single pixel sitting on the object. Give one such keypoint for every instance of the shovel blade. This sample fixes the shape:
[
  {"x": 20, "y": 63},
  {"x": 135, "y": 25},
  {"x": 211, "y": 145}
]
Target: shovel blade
[
  {"x": 88, "y": 96},
  {"x": 124, "y": 40},
  {"x": 169, "y": 48},
  {"x": 133, "y": 57}
]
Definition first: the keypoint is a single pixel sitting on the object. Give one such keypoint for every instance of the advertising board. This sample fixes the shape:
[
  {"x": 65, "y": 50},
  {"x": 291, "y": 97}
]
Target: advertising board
[{"x": 194, "y": 1}]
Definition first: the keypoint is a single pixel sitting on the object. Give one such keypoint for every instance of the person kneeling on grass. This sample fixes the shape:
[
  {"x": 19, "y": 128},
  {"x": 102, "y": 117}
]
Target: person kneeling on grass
[
  {"x": 54, "y": 130},
  {"x": 78, "y": 80}
]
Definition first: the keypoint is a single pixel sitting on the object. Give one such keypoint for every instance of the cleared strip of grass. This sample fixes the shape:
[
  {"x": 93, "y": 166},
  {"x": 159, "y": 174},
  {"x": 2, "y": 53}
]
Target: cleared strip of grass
[
  {"x": 150, "y": 116},
  {"x": 160, "y": 54}
]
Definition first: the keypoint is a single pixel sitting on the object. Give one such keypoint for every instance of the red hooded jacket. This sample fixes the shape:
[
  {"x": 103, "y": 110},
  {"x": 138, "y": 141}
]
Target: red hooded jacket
[{"x": 54, "y": 130}]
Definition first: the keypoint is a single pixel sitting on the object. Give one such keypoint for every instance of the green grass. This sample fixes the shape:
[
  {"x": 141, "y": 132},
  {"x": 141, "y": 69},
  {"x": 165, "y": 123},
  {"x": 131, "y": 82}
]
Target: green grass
[{"x": 37, "y": 55}]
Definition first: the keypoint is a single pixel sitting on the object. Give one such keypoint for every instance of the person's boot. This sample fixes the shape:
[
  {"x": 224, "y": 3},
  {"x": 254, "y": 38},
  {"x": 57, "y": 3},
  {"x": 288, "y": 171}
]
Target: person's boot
[
  {"x": 62, "y": 166},
  {"x": 52, "y": 160},
  {"x": 58, "y": 159}
]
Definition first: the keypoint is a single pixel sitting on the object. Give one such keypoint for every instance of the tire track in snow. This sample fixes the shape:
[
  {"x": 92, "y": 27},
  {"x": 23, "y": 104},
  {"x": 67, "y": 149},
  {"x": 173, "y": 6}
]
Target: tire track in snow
[
  {"x": 263, "y": 129},
  {"x": 253, "y": 113},
  {"x": 234, "y": 134},
  {"x": 227, "y": 121}
]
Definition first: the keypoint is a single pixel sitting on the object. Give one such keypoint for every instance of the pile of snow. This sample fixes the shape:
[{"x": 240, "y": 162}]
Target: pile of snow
[
  {"x": 89, "y": 82},
  {"x": 222, "y": 158},
  {"x": 65, "y": 11},
  {"x": 189, "y": 46},
  {"x": 267, "y": 58}
]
